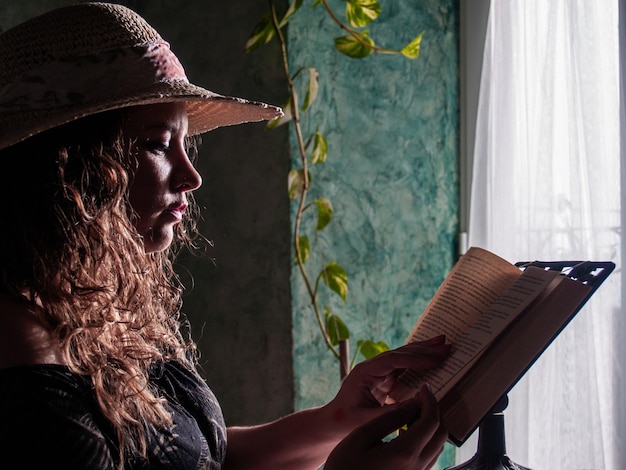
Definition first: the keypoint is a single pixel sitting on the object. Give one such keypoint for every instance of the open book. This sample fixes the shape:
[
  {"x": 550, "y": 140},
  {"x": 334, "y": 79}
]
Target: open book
[{"x": 499, "y": 318}]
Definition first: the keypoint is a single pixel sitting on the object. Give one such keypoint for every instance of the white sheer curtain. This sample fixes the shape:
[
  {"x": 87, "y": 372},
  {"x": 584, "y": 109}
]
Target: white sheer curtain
[{"x": 546, "y": 185}]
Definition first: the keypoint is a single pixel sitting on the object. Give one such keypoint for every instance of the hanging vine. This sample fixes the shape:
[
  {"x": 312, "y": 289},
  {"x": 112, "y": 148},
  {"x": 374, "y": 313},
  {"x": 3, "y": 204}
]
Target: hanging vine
[{"x": 313, "y": 150}]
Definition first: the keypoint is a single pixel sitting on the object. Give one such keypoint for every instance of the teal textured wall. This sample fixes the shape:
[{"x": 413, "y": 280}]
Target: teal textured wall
[{"x": 391, "y": 174}]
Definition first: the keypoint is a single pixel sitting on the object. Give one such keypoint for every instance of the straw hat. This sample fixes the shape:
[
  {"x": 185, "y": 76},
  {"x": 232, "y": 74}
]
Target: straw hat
[{"x": 83, "y": 59}]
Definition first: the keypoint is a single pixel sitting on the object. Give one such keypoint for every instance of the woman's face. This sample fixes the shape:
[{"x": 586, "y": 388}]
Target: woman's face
[{"x": 164, "y": 175}]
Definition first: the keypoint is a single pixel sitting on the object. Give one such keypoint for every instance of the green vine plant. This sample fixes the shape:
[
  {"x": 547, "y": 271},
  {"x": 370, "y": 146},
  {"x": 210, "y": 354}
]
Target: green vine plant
[{"x": 313, "y": 150}]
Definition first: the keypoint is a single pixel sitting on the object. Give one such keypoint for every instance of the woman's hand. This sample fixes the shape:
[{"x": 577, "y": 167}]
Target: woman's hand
[
  {"x": 417, "y": 448},
  {"x": 364, "y": 391},
  {"x": 305, "y": 439}
]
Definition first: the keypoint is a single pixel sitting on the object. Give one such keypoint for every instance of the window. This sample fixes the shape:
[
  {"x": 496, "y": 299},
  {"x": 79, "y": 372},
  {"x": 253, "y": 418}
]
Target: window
[{"x": 545, "y": 184}]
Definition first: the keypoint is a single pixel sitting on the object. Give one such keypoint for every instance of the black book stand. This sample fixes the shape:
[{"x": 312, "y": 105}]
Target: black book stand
[{"x": 491, "y": 453}]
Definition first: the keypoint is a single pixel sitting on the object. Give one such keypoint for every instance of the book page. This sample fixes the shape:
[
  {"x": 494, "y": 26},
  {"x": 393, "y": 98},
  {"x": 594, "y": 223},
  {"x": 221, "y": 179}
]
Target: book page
[
  {"x": 533, "y": 284},
  {"x": 506, "y": 359},
  {"x": 474, "y": 283}
]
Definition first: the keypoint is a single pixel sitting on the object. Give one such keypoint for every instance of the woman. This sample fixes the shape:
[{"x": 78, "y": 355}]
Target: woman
[{"x": 97, "y": 120}]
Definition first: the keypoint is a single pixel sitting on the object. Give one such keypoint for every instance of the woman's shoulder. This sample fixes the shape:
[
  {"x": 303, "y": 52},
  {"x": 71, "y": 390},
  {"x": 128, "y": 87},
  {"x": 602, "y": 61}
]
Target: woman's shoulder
[
  {"x": 24, "y": 337},
  {"x": 49, "y": 414},
  {"x": 46, "y": 377},
  {"x": 45, "y": 391}
]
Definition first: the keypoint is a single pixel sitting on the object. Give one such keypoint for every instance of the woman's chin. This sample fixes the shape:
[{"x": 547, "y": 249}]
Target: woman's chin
[{"x": 156, "y": 241}]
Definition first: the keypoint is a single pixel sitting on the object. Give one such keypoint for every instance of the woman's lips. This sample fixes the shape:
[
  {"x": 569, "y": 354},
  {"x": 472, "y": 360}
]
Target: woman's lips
[{"x": 177, "y": 211}]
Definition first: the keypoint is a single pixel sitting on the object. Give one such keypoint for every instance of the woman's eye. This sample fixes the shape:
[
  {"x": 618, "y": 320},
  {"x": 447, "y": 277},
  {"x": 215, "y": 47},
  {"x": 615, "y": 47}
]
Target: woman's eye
[{"x": 156, "y": 147}]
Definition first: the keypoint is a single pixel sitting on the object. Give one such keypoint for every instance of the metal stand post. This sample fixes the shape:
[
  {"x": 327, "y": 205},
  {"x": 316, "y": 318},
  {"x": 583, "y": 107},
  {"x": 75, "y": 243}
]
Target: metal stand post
[{"x": 491, "y": 453}]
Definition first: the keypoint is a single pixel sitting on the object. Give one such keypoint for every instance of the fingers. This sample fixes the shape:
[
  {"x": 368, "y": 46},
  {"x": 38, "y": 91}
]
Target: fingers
[
  {"x": 435, "y": 340},
  {"x": 436, "y": 345},
  {"x": 416, "y": 448},
  {"x": 420, "y": 445},
  {"x": 392, "y": 419},
  {"x": 368, "y": 385},
  {"x": 416, "y": 355},
  {"x": 428, "y": 428},
  {"x": 420, "y": 413}
]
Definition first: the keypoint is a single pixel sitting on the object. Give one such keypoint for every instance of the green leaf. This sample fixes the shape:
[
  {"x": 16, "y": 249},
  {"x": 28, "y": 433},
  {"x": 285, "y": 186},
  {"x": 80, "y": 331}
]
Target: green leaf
[
  {"x": 304, "y": 247},
  {"x": 287, "y": 115},
  {"x": 295, "y": 183},
  {"x": 320, "y": 149},
  {"x": 262, "y": 33},
  {"x": 412, "y": 49},
  {"x": 294, "y": 7},
  {"x": 324, "y": 212},
  {"x": 351, "y": 47},
  {"x": 369, "y": 348},
  {"x": 336, "y": 329},
  {"x": 362, "y": 12},
  {"x": 335, "y": 277},
  {"x": 312, "y": 88},
  {"x": 316, "y": 3}
]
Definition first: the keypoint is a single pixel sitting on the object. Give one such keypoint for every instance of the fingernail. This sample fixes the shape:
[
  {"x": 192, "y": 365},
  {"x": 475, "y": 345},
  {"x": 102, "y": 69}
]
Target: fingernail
[{"x": 443, "y": 349}]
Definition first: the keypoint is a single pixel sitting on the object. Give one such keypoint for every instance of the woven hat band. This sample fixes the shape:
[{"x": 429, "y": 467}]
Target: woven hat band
[{"x": 92, "y": 78}]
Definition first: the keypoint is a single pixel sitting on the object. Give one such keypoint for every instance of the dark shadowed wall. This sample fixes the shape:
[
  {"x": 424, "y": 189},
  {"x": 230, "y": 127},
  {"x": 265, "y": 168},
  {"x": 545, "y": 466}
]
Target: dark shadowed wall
[{"x": 240, "y": 305}]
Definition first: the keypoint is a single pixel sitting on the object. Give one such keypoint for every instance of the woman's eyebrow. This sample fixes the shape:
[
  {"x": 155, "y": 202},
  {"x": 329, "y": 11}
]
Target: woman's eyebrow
[
  {"x": 160, "y": 127},
  {"x": 172, "y": 128}
]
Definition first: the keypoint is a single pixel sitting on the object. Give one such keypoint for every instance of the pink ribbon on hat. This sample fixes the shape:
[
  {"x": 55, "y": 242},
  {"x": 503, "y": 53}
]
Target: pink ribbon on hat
[
  {"x": 96, "y": 77},
  {"x": 167, "y": 65}
]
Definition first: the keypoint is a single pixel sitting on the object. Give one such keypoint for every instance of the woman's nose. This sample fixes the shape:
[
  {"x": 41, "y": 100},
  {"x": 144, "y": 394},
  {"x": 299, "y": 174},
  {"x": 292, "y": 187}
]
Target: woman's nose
[
  {"x": 187, "y": 177},
  {"x": 194, "y": 180}
]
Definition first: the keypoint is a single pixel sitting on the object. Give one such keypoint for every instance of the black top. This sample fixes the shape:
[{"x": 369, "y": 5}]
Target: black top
[{"x": 49, "y": 418}]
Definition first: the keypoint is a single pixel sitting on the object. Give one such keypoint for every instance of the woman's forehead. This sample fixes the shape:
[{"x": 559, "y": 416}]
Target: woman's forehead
[{"x": 170, "y": 116}]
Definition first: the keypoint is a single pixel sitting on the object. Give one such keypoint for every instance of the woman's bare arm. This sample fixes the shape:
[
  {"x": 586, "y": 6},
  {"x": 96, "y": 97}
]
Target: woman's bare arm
[{"x": 303, "y": 440}]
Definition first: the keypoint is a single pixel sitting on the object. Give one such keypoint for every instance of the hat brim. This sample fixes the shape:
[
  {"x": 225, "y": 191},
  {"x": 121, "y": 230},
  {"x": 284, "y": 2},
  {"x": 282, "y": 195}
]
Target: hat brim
[{"x": 206, "y": 110}]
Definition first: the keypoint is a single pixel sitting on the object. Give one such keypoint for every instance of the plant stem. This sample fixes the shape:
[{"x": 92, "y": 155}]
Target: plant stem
[{"x": 306, "y": 183}]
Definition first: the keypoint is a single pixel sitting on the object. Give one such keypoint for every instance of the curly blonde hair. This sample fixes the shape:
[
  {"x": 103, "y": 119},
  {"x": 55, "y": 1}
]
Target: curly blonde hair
[{"x": 73, "y": 252}]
